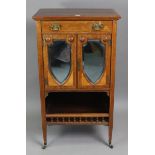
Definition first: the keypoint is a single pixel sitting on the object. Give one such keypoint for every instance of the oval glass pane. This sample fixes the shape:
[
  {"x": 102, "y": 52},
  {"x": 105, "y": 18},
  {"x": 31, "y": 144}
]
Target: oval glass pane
[
  {"x": 94, "y": 59},
  {"x": 59, "y": 57}
]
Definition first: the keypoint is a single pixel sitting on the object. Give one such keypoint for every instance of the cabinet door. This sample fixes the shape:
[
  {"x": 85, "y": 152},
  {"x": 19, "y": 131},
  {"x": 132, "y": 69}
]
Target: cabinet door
[
  {"x": 94, "y": 61},
  {"x": 59, "y": 61}
]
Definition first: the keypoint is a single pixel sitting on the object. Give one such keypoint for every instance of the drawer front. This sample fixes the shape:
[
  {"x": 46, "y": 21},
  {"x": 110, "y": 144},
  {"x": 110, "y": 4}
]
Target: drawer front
[{"x": 76, "y": 26}]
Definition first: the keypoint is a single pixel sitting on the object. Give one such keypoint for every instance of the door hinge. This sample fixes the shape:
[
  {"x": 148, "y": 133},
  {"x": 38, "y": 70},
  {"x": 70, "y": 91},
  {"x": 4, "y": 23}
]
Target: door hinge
[
  {"x": 43, "y": 42},
  {"x": 110, "y": 42},
  {"x": 45, "y": 81},
  {"x": 108, "y": 79}
]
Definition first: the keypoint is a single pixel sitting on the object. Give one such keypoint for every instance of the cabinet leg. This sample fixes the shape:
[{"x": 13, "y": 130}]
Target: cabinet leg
[
  {"x": 44, "y": 129},
  {"x": 110, "y": 137}
]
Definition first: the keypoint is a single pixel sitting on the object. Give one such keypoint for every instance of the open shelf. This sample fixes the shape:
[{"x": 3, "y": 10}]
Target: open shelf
[{"x": 77, "y": 108}]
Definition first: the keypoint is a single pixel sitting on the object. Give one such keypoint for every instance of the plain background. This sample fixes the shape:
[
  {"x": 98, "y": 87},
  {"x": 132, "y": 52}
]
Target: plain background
[
  {"x": 141, "y": 85},
  {"x": 77, "y": 139}
]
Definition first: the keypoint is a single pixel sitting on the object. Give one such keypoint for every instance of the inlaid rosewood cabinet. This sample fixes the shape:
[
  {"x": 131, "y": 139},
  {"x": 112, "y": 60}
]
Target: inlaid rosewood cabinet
[{"x": 76, "y": 57}]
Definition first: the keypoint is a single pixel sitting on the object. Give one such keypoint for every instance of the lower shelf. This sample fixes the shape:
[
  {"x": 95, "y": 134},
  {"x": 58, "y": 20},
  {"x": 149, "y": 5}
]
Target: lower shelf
[{"x": 77, "y": 108}]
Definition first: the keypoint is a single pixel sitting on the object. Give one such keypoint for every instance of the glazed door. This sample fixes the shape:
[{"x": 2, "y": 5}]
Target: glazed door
[
  {"x": 94, "y": 61},
  {"x": 59, "y": 52}
]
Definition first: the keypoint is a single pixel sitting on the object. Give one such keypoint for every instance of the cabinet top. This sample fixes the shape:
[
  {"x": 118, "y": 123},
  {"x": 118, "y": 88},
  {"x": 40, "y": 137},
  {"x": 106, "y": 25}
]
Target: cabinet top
[{"x": 76, "y": 14}]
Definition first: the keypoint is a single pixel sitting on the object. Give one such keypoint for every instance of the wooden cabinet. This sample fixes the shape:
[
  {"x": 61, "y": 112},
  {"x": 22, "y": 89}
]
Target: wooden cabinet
[{"x": 76, "y": 59}]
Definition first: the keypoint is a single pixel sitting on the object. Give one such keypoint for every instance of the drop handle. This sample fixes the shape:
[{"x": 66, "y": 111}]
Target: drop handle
[
  {"x": 97, "y": 26},
  {"x": 55, "y": 27}
]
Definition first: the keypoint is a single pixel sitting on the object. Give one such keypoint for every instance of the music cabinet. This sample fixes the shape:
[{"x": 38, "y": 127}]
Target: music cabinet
[{"x": 76, "y": 59}]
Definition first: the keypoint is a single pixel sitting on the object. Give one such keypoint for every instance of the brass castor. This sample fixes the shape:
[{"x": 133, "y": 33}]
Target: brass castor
[
  {"x": 110, "y": 146},
  {"x": 44, "y": 146}
]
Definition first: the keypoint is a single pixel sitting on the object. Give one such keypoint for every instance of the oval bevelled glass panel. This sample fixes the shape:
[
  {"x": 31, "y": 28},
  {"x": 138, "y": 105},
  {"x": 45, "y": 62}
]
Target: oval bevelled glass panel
[
  {"x": 94, "y": 59},
  {"x": 59, "y": 57}
]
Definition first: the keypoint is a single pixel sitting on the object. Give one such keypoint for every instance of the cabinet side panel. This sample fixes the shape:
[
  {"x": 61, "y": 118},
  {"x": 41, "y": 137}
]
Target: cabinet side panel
[
  {"x": 41, "y": 78},
  {"x": 112, "y": 80}
]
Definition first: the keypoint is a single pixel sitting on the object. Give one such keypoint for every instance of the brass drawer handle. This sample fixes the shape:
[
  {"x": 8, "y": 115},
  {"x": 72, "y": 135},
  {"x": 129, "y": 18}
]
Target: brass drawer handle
[
  {"x": 97, "y": 26},
  {"x": 55, "y": 27}
]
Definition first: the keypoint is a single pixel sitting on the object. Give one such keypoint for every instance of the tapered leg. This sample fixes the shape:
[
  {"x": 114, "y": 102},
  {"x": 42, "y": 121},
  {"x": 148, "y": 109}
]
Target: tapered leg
[
  {"x": 44, "y": 130},
  {"x": 111, "y": 118},
  {"x": 110, "y": 137}
]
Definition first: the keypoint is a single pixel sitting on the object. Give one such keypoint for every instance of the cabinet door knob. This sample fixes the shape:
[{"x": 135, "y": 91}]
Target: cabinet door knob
[
  {"x": 48, "y": 39},
  {"x": 70, "y": 39},
  {"x": 82, "y": 39}
]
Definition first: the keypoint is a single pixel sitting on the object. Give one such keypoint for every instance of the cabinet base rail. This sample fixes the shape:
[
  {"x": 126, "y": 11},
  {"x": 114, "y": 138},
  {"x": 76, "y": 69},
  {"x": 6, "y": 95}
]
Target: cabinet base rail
[{"x": 77, "y": 123}]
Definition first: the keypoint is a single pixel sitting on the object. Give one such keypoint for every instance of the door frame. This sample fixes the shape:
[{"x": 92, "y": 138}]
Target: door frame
[
  {"x": 50, "y": 81},
  {"x": 104, "y": 80}
]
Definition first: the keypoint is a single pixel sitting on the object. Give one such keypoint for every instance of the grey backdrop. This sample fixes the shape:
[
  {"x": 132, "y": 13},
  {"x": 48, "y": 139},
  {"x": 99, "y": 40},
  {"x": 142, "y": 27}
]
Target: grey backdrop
[{"x": 72, "y": 140}]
